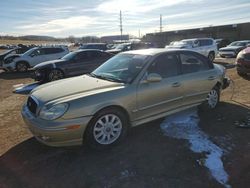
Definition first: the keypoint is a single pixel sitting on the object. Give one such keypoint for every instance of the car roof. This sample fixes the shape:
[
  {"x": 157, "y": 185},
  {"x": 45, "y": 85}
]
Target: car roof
[
  {"x": 94, "y": 44},
  {"x": 86, "y": 50},
  {"x": 155, "y": 51},
  {"x": 197, "y": 39},
  {"x": 242, "y": 41}
]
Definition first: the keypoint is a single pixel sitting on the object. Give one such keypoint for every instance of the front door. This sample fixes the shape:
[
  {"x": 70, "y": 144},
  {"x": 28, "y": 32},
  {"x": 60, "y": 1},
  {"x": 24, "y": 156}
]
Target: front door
[{"x": 158, "y": 97}]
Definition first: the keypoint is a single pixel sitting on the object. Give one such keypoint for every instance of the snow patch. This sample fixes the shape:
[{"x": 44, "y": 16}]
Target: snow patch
[{"x": 184, "y": 125}]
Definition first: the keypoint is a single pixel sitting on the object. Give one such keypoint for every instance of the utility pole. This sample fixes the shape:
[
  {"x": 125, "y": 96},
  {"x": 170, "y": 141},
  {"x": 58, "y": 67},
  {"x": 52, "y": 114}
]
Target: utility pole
[
  {"x": 160, "y": 23},
  {"x": 121, "y": 24},
  {"x": 139, "y": 33}
]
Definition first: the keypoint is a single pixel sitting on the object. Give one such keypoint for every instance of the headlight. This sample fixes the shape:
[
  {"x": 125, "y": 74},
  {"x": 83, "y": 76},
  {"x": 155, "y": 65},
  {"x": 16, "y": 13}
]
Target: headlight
[
  {"x": 53, "y": 112},
  {"x": 9, "y": 60}
]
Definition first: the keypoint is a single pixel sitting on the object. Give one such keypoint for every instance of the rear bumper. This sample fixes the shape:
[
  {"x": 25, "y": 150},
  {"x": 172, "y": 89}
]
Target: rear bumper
[
  {"x": 226, "y": 82},
  {"x": 242, "y": 69}
]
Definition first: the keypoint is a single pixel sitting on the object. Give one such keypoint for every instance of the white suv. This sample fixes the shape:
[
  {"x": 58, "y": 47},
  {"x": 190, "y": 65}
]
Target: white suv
[
  {"x": 33, "y": 57},
  {"x": 204, "y": 46}
]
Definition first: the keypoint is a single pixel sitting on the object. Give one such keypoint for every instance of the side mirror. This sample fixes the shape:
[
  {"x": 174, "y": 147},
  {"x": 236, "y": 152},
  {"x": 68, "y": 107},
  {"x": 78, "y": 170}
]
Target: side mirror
[
  {"x": 153, "y": 77},
  {"x": 32, "y": 55}
]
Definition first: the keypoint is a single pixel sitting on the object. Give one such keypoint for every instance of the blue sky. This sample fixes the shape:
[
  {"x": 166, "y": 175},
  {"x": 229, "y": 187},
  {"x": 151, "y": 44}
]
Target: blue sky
[{"x": 61, "y": 18}]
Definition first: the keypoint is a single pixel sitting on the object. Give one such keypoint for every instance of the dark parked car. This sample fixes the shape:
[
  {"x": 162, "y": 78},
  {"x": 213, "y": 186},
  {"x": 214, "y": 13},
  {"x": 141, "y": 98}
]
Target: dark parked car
[
  {"x": 234, "y": 48},
  {"x": 97, "y": 46},
  {"x": 243, "y": 62},
  {"x": 222, "y": 43},
  {"x": 72, "y": 64}
]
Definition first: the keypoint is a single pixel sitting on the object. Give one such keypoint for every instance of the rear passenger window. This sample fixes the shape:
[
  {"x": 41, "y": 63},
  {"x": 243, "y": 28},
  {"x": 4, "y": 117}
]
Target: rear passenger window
[
  {"x": 165, "y": 65},
  {"x": 206, "y": 42},
  {"x": 191, "y": 63},
  {"x": 53, "y": 50}
]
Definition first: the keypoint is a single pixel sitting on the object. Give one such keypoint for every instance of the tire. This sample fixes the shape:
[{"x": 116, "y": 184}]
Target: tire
[
  {"x": 241, "y": 74},
  {"x": 211, "y": 56},
  {"x": 212, "y": 99},
  {"x": 22, "y": 67},
  {"x": 107, "y": 128},
  {"x": 55, "y": 74}
]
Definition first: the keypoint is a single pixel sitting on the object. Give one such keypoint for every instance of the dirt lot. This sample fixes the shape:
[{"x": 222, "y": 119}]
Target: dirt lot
[{"x": 147, "y": 158}]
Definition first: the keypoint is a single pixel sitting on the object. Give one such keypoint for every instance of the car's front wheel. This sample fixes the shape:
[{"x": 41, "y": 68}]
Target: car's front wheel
[
  {"x": 107, "y": 128},
  {"x": 22, "y": 67},
  {"x": 55, "y": 74}
]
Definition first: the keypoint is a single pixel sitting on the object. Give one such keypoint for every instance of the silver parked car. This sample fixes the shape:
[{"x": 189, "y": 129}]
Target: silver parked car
[
  {"x": 129, "y": 89},
  {"x": 204, "y": 46}
]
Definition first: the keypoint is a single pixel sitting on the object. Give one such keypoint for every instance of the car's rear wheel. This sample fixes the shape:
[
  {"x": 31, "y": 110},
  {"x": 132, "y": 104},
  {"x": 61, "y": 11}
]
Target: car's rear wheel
[
  {"x": 213, "y": 98},
  {"x": 55, "y": 74},
  {"x": 211, "y": 56},
  {"x": 22, "y": 67},
  {"x": 107, "y": 128}
]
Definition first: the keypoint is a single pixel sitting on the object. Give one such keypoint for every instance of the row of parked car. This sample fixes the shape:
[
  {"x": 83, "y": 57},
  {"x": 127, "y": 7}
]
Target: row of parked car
[
  {"x": 56, "y": 62},
  {"x": 209, "y": 48}
]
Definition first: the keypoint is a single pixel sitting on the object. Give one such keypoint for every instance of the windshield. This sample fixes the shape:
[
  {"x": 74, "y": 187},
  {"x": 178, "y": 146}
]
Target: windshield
[
  {"x": 238, "y": 44},
  {"x": 69, "y": 56},
  {"x": 187, "y": 42},
  {"x": 121, "y": 46},
  {"x": 121, "y": 68},
  {"x": 29, "y": 51}
]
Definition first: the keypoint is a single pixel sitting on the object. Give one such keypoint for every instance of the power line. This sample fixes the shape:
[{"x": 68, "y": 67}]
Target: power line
[
  {"x": 161, "y": 23},
  {"x": 121, "y": 23}
]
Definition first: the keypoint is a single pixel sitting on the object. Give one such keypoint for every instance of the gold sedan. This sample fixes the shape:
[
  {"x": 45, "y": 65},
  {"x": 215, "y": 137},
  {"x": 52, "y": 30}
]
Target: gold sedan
[{"x": 130, "y": 89}]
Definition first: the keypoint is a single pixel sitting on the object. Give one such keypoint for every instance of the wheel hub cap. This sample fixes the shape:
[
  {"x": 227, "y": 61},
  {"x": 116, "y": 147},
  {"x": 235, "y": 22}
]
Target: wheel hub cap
[{"x": 107, "y": 129}]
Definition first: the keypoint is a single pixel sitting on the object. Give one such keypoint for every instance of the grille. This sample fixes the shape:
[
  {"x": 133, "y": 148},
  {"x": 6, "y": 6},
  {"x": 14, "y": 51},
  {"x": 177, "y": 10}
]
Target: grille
[{"x": 32, "y": 105}]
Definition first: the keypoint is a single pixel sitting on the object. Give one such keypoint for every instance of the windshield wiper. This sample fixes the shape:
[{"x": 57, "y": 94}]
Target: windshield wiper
[
  {"x": 92, "y": 75},
  {"x": 112, "y": 79}
]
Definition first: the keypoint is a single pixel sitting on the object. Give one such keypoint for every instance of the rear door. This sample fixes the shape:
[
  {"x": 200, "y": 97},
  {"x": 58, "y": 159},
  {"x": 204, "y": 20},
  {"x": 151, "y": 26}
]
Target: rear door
[
  {"x": 159, "y": 97},
  {"x": 198, "y": 77}
]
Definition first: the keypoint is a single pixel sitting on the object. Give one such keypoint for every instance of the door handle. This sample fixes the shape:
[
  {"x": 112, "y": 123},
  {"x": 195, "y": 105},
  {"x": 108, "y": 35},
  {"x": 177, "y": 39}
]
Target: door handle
[
  {"x": 211, "y": 78},
  {"x": 176, "y": 84}
]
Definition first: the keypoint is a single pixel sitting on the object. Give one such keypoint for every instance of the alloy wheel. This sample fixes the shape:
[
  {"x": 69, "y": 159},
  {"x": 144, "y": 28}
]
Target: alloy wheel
[
  {"x": 107, "y": 129},
  {"x": 212, "y": 98},
  {"x": 55, "y": 75}
]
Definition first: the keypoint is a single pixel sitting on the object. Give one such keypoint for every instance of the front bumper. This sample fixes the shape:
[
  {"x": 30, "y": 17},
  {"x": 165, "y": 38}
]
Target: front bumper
[
  {"x": 56, "y": 133},
  {"x": 39, "y": 75},
  {"x": 227, "y": 53}
]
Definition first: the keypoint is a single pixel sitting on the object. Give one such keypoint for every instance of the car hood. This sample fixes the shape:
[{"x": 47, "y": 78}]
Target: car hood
[
  {"x": 79, "y": 86},
  {"x": 231, "y": 48},
  {"x": 46, "y": 63},
  {"x": 12, "y": 56}
]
